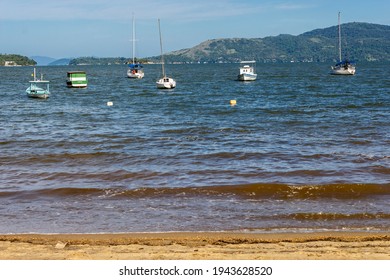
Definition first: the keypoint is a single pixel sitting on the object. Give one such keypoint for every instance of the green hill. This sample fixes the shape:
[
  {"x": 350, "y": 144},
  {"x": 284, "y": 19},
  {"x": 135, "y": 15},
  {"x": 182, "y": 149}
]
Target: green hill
[
  {"x": 98, "y": 61},
  {"x": 15, "y": 60},
  {"x": 360, "y": 41},
  {"x": 62, "y": 61}
]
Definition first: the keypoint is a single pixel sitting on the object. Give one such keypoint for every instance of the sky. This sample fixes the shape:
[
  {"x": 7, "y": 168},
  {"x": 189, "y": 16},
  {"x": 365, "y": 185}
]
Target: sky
[{"x": 103, "y": 28}]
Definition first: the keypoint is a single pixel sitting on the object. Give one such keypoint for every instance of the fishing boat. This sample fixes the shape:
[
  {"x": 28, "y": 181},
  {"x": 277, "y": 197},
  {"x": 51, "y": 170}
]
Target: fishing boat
[
  {"x": 247, "y": 71},
  {"x": 76, "y": 79},
  {"x": 39, "y": 88},
  {"x": 135, "y": 70},
  {"x": 165, "y": 82},
  {"x": 343, "y": 67}
]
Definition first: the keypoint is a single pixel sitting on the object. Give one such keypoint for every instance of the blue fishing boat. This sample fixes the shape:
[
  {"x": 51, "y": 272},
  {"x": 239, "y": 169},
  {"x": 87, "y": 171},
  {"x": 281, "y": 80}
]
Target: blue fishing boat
[{"x": 39, "y": 88}]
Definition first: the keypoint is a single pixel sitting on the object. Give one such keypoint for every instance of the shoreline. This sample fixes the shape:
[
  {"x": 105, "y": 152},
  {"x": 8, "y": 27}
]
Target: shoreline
[{"x": 197, "y": 246}]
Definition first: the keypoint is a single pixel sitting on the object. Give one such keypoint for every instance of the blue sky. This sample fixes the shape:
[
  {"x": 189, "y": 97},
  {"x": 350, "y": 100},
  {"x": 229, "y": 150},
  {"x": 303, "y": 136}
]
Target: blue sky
[{"x": 72, "y": 28}]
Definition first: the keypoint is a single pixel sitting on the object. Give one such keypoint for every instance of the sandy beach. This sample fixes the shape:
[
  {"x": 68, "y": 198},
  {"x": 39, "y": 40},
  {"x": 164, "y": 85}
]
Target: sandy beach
[{"x": 197, "y": 246}]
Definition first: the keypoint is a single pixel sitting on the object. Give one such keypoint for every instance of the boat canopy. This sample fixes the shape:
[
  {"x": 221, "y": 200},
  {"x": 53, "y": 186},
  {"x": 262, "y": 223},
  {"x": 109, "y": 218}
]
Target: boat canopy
[
  {"x": 76, "y": 72},
  {"x": 135, "y": 66},
  {"x": 38, "y": 82},
  {"x": 248, "y": 61},
  {"x": 345, "y": 61}
]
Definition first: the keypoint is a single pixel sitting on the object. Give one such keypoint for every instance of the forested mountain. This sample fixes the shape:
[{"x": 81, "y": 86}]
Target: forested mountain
[
  {"x": 15, "y": 60},
  {"x": 42, "y": 60},
  {"x": 98, "y": 61},
  {"x": 90, "y": 60},
  {"x": 360, "y": 41},
  {"x": 62, "y": 61}
]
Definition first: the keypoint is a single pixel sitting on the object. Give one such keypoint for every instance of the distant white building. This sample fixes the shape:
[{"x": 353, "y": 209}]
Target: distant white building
[{"x": 10, "y": 63}]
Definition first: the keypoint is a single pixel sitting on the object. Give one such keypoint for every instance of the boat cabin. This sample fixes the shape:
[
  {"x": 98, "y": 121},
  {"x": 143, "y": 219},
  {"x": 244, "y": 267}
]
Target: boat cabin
[
  {"x": 76, "y": 79},
  {"x": 246, "y": 69}
]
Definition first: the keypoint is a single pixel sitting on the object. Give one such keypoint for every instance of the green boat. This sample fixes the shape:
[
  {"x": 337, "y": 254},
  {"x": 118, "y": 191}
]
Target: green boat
[
  {"x": 39, "y": 88},
  {"x": 76, "y": 79}
]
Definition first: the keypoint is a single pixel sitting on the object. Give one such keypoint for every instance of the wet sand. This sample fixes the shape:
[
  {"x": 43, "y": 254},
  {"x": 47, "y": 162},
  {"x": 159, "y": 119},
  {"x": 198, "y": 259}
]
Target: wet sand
[{"x": 197, "y": 246}]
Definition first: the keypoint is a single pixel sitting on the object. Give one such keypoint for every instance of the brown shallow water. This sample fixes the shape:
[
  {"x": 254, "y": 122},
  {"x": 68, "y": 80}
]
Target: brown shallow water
[{"x": 301, "y": 151}]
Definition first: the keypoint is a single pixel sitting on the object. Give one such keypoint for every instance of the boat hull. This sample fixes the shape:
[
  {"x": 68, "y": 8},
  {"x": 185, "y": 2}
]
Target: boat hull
[
  {"x": 35, "y": 91},
  {"x": 133, "y": 74},
  {"x": 247, "y": 77},
  {"x": 166, "y": 83},
  {"x": 76, "y": 85},
  {"x": 343, "y": 70},
  {"x": 37, "y": 95}
]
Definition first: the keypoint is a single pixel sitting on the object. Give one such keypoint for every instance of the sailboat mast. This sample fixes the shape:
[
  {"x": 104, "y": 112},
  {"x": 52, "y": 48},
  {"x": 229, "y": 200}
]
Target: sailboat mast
[
  {"x": 339, "y": 39},
  {"x": 133, "y": 39},
  {"x": 161, "y": 48}
]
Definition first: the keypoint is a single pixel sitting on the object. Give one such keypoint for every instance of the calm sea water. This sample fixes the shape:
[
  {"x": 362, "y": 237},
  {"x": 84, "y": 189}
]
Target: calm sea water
[{"x": 301, "y": 151}]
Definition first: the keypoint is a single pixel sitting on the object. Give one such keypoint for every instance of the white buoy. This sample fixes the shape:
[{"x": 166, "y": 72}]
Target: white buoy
[
  {"x": 233, "y": 102},
  {"x": 109, "y": 103}
]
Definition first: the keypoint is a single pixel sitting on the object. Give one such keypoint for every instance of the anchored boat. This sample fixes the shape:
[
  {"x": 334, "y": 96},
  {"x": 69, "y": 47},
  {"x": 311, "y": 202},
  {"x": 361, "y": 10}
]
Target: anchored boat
[
  {"x": 165, "y": 82},
  {"x": 135, "y": 70},
  {"x": 247, "y": 71},
  {"x": 39, "y": 88},
  {"x": 343, "y": 67},
  {"x": 76, "y": 79}
]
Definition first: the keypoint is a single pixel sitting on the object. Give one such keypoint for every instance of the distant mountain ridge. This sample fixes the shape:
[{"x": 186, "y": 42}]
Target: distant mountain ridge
[
  {"x": 90, "y": 60},
  {"x": 360, "y": 41},
  {"x": 42, "y": 60},
  {"x": 62, "y": 61}
]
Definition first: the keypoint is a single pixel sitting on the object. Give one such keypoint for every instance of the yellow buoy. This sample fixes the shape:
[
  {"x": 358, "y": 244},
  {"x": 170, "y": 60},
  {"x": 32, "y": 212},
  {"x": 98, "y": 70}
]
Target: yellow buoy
[
  {"x": 109, "y": 103},
  {"x": 233, "y": 102}
]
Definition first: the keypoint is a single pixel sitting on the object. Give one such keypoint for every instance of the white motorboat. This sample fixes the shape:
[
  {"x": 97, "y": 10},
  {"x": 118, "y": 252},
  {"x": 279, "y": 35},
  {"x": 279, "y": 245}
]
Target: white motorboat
[{"x": 247, "y": 71}]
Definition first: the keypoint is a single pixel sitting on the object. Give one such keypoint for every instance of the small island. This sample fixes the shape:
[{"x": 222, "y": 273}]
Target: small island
[{"x": 16, "y": 60}]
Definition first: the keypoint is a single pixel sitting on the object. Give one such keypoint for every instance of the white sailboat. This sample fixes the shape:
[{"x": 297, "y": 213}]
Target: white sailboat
[
  {"x": 135, "y": 70},
  {"x": 247, "y": 71},
  {"x": 343, "y": 67},
  {"x": 165, "y": 82}
]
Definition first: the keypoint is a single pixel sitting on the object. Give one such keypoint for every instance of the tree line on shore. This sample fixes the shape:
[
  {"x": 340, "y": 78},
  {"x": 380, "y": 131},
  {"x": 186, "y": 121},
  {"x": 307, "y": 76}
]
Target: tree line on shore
[
  {"x": 360, "y": 41},
  {"x": 16, "y": 60}
]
